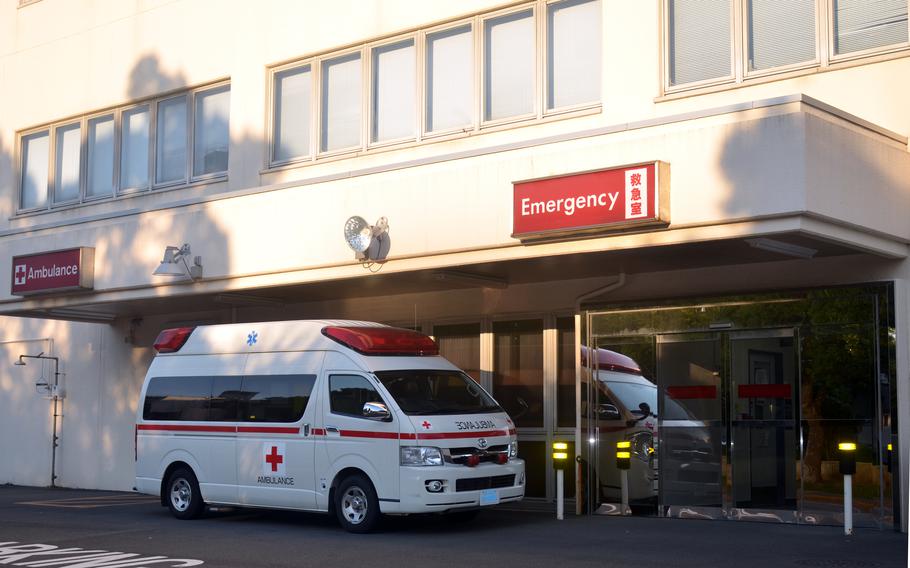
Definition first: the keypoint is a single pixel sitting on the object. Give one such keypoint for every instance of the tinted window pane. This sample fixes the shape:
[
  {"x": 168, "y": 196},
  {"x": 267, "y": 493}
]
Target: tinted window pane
[
  {"x": 226, "y": 397},
  {"x": 450, "y": 78},
  {"x": 177, "y": 398},
  {"x": 171, "y": 136},
  {"x": 134, "y": 148},
  {"x": 509, "y": 65},
  {"x": 394, "y": 96},
  {"x": 292, "y": 113},
  {"x": 460, "y": 344},
  {"x": 573, "y": 53},
  {"x": 276, "y": 398},
  {"x": 66, "y": 179},
  {"x": 781, "y": 32},
  {"x": 699, "y": 40},
  {"x": 35, "y": 149},
  {"x": 100, "y": 156},
  {"x": 349, "y": 393},
  {"x": 863, "y": 24},
  {"x": 341, "y": 107},
  {"x": 565, "y": 379},
  {"x": 211, "y": 135},
  {"x": 518, "y": 370}
]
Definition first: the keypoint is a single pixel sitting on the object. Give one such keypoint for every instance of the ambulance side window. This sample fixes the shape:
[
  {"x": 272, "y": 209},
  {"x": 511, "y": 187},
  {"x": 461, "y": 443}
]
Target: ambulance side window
[
  {"x": 348, "y": 394},
  {"x": 177, "y": 398},
  {"x": 275, "y": 398},
  {"x": 225, "y": 399}
]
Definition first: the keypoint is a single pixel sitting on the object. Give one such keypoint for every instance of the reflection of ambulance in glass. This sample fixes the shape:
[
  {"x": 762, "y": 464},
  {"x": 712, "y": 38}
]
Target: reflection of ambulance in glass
[
  {"x": 351, "y": 418},
  {"x": 623, "y": 408}
]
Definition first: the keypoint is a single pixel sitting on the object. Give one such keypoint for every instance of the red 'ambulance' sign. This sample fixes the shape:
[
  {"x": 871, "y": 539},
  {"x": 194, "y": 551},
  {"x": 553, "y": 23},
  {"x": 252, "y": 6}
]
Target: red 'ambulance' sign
[
  {"x": 56, "y": 271},
  {"x": 617, "y": 198}
]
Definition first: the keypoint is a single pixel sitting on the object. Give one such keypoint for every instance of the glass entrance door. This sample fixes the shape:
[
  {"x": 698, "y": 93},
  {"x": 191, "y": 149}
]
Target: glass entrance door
[
  {"x": 692, "y": 428},
  {"x": 763, "y": 427},
  {"x": 712, "y": 418}
]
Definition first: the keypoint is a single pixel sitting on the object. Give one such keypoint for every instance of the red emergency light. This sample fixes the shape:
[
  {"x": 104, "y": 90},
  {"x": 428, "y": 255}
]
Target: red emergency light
[
  {"x": 171, "y": 340},
  {"x": 382, "y": 340}
]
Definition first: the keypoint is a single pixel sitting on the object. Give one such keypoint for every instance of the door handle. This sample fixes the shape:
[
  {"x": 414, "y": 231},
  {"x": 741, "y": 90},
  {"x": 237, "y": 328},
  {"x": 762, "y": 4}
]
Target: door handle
[
  {"x": 332, "y": 429},
  {"x": 306, "y": 429}
]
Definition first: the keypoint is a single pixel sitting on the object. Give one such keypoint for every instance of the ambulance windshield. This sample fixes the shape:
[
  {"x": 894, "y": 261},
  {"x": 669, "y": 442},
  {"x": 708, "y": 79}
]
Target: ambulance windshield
[{"x": 423, "y": 392}]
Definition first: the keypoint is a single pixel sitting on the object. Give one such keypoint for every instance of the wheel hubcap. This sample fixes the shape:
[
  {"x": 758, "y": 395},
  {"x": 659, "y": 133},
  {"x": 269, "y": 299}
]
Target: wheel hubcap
[
  {"x": 354, "y": 505},
  {"x": 181, "y": 494}
]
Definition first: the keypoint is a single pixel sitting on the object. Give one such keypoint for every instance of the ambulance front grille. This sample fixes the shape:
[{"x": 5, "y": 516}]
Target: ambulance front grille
[
  {"x": 461, "y": 455},
  {"x": 478, "y": 483}
]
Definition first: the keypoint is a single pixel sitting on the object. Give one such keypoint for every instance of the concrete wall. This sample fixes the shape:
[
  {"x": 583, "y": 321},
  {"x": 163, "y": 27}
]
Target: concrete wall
[{"x": 101, "y": 377}]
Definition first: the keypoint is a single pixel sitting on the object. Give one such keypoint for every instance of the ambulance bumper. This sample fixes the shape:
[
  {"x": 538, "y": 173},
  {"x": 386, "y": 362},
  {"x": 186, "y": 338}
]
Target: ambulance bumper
[{"x": 463, "y": 487}]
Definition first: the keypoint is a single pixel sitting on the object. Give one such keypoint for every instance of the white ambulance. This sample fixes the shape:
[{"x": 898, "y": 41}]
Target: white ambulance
[{"x": 348, "y": 417}]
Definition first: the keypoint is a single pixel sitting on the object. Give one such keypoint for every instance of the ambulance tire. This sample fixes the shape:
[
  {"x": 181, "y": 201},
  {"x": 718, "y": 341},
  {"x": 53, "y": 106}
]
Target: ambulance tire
[
  {"x": 182, "y": 494},
  {"x": 356, "y": 504}
]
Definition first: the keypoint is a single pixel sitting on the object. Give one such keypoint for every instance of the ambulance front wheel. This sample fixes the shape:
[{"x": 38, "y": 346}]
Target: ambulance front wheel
[
  {"x": 183, "y": 496},
  {"x": 356, "y": 504}
]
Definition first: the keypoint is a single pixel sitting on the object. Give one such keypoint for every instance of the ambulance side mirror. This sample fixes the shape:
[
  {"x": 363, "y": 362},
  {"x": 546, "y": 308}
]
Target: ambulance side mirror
[{"x": 376, "y": 411}]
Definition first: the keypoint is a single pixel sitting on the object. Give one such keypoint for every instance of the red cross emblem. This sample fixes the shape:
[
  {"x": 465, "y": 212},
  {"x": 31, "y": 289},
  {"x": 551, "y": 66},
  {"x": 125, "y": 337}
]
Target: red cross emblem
[
  {"x": 274, "y": 458},
  {"x": 20, "y": 275},
  {"x": 426, "y": 424}
]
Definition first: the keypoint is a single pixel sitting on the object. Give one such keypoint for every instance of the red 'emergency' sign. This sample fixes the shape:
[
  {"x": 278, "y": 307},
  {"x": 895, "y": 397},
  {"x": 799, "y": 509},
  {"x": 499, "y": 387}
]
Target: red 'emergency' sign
[{"x": 592, "y": 201}]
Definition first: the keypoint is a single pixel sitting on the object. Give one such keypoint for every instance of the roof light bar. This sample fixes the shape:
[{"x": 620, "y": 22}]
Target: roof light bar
[
  {"x": 387, "y": 341},
  {"x": 171, "y": 340}
]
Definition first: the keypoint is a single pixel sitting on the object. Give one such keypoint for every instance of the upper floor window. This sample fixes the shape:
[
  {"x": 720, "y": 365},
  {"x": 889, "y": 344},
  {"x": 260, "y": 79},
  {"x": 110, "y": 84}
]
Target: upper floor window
[
  {"x": 708, "y": 43},
  {"x": 164, "y": 142},
  {"x": 448, "y": 80}
]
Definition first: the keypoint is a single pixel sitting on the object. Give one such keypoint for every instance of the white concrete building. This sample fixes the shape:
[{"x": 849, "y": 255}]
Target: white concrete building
[{"x": 758, "y": 275}]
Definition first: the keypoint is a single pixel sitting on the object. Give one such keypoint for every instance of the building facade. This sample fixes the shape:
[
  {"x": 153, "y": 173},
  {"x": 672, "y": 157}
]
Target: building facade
[{"x": 592, "y": 205}]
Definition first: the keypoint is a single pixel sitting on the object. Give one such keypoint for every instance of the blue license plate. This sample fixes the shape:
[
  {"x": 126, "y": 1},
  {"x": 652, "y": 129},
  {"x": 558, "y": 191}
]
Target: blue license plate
[{"x": 489, "y": 497}]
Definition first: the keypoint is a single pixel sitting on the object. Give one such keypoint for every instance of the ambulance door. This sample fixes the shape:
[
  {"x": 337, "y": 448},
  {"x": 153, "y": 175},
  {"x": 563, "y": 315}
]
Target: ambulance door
[
  {"x": 355, "y": 440},
  {"x": 275, "y": 443}
]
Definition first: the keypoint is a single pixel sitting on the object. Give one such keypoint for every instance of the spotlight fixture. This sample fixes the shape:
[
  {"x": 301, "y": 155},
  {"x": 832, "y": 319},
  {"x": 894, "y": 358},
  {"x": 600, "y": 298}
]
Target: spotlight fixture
[
  {"x": 780, "y": 247},
  {"x": 370, "y": 243},
  {"x": 174, "y": 263}
]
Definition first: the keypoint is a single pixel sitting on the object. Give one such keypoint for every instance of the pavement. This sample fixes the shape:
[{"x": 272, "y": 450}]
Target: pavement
[{"x": 65, "y": 528}]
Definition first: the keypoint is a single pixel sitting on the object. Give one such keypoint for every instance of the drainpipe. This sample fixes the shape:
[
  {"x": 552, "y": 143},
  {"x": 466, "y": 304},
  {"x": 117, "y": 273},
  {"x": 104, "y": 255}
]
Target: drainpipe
[{"x": 618, "y": 282}]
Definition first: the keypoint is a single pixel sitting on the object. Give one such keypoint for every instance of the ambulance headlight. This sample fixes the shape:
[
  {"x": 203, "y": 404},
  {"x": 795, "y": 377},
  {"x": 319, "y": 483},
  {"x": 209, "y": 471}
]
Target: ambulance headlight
[
  {"x": 513, "y": 449},
  {"x": 421, "y": 455}
]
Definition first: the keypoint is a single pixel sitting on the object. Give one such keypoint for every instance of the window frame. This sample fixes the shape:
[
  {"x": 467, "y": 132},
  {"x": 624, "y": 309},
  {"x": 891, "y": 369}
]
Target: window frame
[
  {"x": 809, "y": 64},
  {"x": 833, "y": 57},
  {"x": 424, "y": 78},
  {"x": 735, "y": 52},
  {"x": 117, "y": 190},
  {"x": 476, "y": 22},
  {"x": 481, "y": 68},
  {"x": 370, "y": 116},
  {"x": 544, "y": 71},
  {"x": 320, "y": 104},
  {"x": 21, "y": 166},
  {"x": 115, "y": 157},
  {"x": 825, "y": 58},
  {"x": 271, "y": 122},
  {"x": 377, "y": 388}
]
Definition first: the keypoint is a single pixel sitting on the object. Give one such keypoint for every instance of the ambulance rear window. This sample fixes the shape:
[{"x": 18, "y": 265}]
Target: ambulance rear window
[{"x": 421, "y": 393}]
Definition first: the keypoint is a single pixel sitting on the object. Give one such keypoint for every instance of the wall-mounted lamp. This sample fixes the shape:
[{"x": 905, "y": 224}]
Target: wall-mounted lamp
[{"x": 174, "y": 263}]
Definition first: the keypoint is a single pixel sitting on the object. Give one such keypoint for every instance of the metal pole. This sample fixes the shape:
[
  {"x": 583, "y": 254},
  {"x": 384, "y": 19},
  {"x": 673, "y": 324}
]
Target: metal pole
[
  {"x": 625, "y": 491},
  {"x": 848, "y": 504},
  {"x": 560, "y": 490},
  {"x": 55, "y": 438}
]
